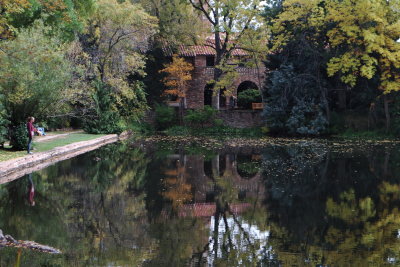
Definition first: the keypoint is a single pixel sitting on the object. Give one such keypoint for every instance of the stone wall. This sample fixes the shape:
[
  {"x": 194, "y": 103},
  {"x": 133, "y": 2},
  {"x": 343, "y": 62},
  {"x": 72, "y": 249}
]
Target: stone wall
[
  {"x": 232, "y": 118},
  {"x": 240, "y": 118}
]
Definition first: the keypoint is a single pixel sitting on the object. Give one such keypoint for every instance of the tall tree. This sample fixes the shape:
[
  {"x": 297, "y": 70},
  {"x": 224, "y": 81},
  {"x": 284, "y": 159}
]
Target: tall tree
[
  {"x": 298, "y": 87},
  {"x": 177, "y": 80},
  {"x": 358, "y": 38},
  {"x": 178, "y": 23},
  {"x": 35, "y": 75},
  {"x": 115, "y": 41},
  {"x": 366, "y": 33},
  {"x": 235, "y": 24}
]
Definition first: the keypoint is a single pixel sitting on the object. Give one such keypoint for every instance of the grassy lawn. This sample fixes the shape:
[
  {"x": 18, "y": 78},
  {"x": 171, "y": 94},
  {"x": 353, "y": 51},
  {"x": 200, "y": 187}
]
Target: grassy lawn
[{"x": 7, "y": 153}]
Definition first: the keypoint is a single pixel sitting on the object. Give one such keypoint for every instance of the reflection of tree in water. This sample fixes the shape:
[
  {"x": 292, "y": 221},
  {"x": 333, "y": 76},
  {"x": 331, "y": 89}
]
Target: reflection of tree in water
[
  {"x": 332, "y": 207},
  {"x": 248, "y": 165},
  {"x": 113, "y": 206},
  {"x": 193, "y": 239},
  {"x": 91, "y": 212}
]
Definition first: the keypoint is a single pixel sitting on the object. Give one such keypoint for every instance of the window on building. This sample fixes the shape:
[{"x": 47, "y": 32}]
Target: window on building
[{"x": 210, "y": 61}]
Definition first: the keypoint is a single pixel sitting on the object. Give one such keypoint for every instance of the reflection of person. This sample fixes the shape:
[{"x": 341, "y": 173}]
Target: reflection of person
[
  {"x": 31, "y": 191},
  {"x": 31, "y": 132}
]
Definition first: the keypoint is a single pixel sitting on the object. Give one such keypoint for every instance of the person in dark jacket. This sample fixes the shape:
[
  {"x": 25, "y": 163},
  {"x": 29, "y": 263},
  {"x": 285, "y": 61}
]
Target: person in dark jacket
[{"x": 31, "y": 132}]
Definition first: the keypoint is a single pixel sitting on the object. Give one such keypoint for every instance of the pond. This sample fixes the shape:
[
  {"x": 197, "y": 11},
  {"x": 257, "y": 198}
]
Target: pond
[{"x": 303, "y": 203}]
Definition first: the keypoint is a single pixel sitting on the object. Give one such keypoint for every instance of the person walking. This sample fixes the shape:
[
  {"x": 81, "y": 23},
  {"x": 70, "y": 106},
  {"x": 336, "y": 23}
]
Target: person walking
[{"x": 31, "y": 132}]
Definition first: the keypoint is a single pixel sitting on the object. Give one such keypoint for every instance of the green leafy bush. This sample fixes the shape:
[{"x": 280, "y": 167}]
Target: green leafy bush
[
  {"x": 104, "y": 120},
  {"x": 201, "y": 117},
  {"x": 19, "y": 139},
  {"x": 165, "y": 116},
  {"x": 247, "y": 97}
]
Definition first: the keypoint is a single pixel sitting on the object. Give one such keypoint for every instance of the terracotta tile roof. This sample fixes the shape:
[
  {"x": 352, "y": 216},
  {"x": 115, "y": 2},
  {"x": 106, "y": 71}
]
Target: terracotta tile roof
[{"x": 199, "y": 50}]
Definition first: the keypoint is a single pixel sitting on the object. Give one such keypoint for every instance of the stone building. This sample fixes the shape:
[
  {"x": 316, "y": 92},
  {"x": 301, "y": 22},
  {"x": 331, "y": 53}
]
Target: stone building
[{"x": 203, "y": 59}]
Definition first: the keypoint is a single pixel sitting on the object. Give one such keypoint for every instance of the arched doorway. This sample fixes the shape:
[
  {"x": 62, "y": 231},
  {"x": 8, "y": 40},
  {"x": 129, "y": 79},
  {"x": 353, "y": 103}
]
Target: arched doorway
[
  {"x": 248, "y": 93},
  {"x": 222, "y": 98},
  {"x": 208, "y": 95}
]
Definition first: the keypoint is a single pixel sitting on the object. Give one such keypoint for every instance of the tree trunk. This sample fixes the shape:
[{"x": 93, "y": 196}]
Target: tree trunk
[
  {"x": 342, "y": 98},
  {"x": 387, "y": 114},
  {"x": 181, "y": 106},
  {"x": 218, "y": 58}
]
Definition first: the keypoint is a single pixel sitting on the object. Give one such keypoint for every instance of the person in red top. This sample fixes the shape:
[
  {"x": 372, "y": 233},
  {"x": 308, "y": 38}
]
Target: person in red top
[{"x": 31, "y": 132}]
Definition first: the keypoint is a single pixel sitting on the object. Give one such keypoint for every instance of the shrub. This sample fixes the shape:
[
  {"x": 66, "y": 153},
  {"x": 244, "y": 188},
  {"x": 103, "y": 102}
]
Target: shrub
[
  {"x": 105, "y": 119},
  {"x": 19, "y": 139},
  {"x": 200, "y": 117},
  {"x": 247, "y": 97},
  {"x": 165, "y": 117}
]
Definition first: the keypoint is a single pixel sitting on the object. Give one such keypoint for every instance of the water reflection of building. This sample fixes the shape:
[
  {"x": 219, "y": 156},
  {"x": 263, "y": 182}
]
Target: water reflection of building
[
  {"x": 200, "y": 173},
  {"x": 237, "y": 181}
]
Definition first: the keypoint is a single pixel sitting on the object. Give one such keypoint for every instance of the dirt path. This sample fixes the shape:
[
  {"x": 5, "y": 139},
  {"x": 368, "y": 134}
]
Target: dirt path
[{"x": 51, "y": 136}]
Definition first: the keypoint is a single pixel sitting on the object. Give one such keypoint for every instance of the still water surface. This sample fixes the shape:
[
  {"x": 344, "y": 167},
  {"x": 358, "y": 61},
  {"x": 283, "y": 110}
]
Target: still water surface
[{"x": 296, "y": 204}]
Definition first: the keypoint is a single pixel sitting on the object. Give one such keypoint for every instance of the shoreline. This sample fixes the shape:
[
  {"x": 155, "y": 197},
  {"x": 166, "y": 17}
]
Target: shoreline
[{"x": 15, "y": 168}]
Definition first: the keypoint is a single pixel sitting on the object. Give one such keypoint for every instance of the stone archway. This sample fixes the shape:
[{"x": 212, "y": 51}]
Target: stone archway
[
  {"x": 244, "y": 86},
  {"x": 222, "y": 99}
]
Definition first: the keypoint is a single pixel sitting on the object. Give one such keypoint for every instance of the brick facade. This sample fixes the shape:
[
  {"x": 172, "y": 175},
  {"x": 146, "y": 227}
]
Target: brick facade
[{"x": 203, "y": 74}]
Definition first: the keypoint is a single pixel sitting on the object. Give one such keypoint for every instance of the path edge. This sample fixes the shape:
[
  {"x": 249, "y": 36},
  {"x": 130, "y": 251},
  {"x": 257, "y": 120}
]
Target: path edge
[{"x": 18, "y": 167}]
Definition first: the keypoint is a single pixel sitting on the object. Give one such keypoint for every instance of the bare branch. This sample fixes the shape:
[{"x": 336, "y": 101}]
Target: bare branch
[{"x": 203, "y": 10}]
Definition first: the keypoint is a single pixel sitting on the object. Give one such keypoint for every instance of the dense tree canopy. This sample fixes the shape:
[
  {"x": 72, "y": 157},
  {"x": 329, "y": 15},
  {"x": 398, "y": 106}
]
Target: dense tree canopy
[
  {"x": 355, "y": 44},
  {"x": 177, "y": 22},
  {"x": 66, "y": 16},
  {"x": 117, "y": 36},
  {"x": 35, "y": 75}
]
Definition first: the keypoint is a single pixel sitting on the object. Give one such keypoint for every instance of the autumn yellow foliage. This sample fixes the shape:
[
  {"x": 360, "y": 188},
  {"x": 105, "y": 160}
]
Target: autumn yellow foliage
[
  {"x": 363, "y": 33},
  {"x": 8, "y": 7},
  {"x": 369, "y": 31},
  {"x": 178, "y": 77}
]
